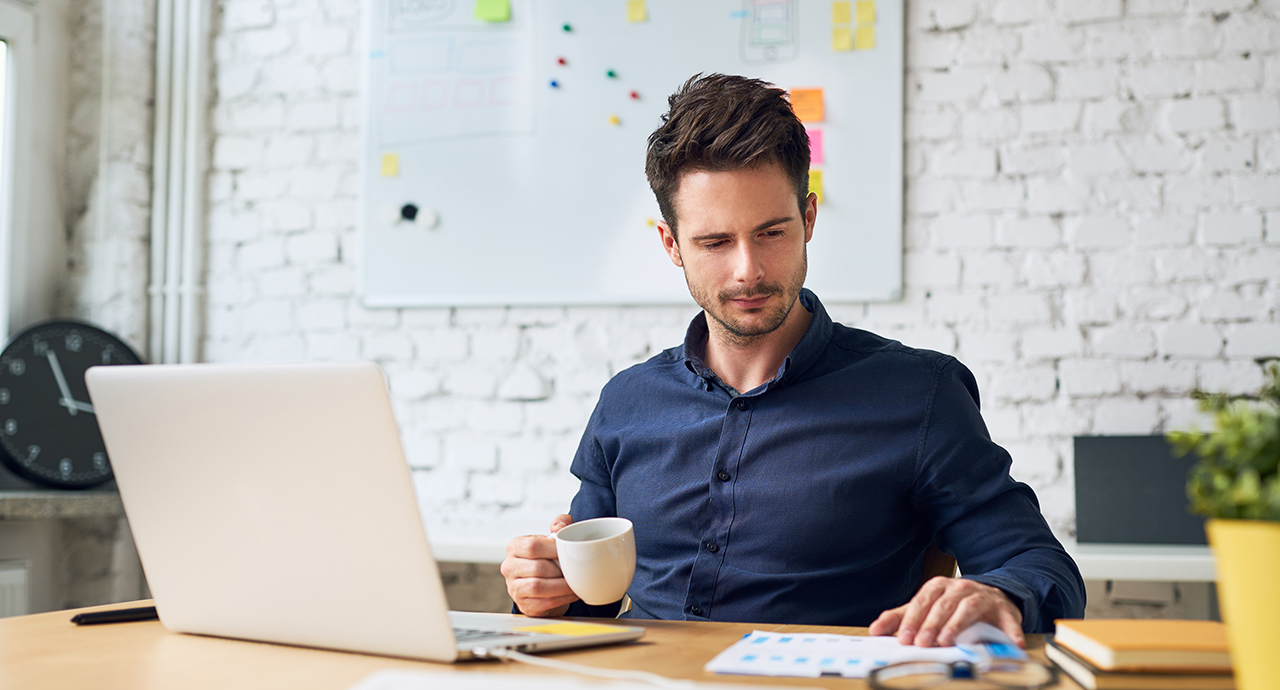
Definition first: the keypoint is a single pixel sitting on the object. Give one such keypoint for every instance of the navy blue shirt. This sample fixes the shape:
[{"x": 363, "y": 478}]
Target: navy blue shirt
[{"x": 811, "y": 499}]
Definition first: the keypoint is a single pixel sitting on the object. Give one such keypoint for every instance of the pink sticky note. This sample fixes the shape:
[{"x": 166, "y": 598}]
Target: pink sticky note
[{"x": 815, "y": 146}]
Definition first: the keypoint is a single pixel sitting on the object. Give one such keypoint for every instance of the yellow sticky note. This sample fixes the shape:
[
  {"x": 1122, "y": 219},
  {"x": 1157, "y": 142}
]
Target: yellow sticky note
[
  {"x": 866, "y": 11},
  {"x": 390, "y": 165},
  {"x": 841, "y": 40},
  {"x": 570, "y": 629},
  {"x": 864, "y": 38},
  {"x": 815, "y": 183},
  {"x": 840, "y": 12},
  {"x": 636, "y": 11},
  {"x": 493, "y": 10},
  {"x": 807, "y": 103}
]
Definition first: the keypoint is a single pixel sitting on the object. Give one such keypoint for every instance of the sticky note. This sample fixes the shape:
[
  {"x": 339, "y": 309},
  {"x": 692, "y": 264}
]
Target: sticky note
[
  {"x": 815, "y": 146},
  {"x": 866, "y": 13},
  {"x": 571, "y": 629},
  {"x": 840, "y": 12},
  {"x": 390, "y": 165},
  {"x": 808, "y": 104},
  {"x": 815, "y": 183},
  {"x": 493, "y": 10},
  {"x": 636, "y": 11},
  {"x": 841, "y": 40},
  {"x": 864, "y": 38}
]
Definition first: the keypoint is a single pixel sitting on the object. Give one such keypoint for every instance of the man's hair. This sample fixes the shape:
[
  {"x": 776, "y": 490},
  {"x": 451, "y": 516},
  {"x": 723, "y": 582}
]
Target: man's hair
[{"x": 719, "y": 123}]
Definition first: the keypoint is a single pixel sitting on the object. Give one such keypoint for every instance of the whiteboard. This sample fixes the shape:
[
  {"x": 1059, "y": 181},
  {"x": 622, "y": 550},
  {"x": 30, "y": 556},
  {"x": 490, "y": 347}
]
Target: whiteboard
[{"x": 534, "y": 194}]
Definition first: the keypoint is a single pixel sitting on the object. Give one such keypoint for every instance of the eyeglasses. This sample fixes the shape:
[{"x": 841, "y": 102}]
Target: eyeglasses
[{"x": 914, "y": 675}]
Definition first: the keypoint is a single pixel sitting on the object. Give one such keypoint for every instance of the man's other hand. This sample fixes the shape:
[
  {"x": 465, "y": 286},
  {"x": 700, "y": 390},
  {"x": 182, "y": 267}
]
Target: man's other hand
[
  {"x": 943, "y": 607},
  {"x": 533, "y": 577}
]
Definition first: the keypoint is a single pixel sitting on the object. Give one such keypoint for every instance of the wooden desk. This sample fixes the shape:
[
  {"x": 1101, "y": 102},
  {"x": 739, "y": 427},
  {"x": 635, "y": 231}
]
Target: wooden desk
[{"x": 47, "y": 651}]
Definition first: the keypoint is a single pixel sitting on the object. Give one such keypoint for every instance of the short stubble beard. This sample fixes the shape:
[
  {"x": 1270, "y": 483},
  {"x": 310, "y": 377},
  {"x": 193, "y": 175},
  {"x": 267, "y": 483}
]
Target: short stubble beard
[{"x": 739, "y": 333}]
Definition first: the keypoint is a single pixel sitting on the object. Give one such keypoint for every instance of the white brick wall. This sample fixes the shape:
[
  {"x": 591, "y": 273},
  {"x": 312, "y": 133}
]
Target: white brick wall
[{"x": 1093, "y": 226}]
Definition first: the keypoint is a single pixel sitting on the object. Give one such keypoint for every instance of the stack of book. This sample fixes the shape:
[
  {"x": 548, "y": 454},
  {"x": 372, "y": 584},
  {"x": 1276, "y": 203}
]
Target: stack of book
[{"x": 1136, "y": 654}]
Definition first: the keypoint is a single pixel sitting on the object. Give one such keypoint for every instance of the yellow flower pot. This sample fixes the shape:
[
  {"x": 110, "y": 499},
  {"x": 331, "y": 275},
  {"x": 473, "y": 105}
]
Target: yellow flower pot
[{"x": 1248, "y": 561}]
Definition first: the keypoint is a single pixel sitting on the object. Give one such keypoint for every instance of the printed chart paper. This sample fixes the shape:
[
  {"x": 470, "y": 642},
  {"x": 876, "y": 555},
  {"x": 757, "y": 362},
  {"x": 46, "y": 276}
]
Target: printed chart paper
[{"x": 813, "y": 655}]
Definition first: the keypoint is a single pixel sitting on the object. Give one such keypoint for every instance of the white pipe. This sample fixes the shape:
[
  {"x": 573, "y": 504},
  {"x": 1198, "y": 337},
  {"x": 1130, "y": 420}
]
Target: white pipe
[
  {"x": 160, "y": 179},
  {"x": 177, "y": 201},
  {"x": 193, "y": 183},
  {"x": 104, "y": 123}
]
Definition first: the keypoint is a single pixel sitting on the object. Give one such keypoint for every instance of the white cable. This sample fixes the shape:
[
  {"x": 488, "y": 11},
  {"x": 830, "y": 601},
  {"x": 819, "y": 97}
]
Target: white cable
[{"x": 612, "y": 674}]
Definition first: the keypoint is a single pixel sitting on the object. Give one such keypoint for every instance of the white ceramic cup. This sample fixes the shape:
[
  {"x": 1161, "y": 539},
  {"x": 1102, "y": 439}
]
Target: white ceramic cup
[{"x": 598, "y": 558}]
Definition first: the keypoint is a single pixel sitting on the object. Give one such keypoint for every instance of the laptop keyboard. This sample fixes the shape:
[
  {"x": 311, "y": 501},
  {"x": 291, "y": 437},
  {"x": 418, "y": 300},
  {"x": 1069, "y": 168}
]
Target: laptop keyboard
[{"x": 469, "y": 634}]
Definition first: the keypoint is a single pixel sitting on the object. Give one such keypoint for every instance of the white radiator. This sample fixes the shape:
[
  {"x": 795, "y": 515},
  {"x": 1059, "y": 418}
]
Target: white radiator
[{"x": 13, "y": 588}]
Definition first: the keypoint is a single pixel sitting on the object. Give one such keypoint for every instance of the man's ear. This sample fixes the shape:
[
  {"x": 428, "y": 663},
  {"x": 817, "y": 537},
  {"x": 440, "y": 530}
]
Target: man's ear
[
  {"x": 669, "y": 243},
  {"x": 810, "y": 215}
]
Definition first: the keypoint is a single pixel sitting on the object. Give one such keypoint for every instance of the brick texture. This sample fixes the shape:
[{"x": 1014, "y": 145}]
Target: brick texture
[{"x": 1092, "y": 217}]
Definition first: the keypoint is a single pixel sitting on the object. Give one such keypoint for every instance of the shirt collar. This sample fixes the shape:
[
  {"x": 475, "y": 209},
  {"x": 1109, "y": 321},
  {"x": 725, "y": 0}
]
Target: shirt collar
[{"x": 802, "y": 356}]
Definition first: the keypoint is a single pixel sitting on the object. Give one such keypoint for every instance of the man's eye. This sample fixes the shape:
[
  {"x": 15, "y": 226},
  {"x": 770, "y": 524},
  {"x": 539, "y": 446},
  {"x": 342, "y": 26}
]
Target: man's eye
[{"x": 714, "y": 245}]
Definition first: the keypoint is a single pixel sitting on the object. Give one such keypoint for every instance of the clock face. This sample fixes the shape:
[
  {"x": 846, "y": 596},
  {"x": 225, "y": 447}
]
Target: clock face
[{"x": 48, "y": 430}]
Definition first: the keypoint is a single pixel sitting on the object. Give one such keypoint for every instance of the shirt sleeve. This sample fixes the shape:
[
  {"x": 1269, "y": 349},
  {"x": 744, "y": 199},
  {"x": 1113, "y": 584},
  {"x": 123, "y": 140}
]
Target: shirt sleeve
[
  {"x": 989, "y": 522},
  {"x": 595, "y": 498}
]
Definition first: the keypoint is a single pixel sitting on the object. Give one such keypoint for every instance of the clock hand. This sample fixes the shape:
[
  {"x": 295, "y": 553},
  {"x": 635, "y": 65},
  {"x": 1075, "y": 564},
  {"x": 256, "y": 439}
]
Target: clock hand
[
  {"x": 67, "y": 401},
  {"x": 83, "y": 406}
]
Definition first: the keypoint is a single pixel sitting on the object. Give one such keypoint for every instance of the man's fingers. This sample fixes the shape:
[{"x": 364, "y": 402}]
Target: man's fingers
[
  {"x": 560, "y": 522},
  {"x": 532, "y": 546},
  {"x": 514, "y": 568},
  {"x": 971, "y": 609},
  {"x": 550, "y": 606},
  {"x": 887, "y": 622},
  {"x": 1012, "y": 626},
  {"x": 538, "y": 588},
  {"x": 940, "y": 617},
  {"x": 918, "y": 608}
]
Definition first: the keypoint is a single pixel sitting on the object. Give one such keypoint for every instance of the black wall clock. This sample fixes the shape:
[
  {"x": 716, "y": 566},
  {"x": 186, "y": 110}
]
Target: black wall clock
[{"x": 48, "y": 431}]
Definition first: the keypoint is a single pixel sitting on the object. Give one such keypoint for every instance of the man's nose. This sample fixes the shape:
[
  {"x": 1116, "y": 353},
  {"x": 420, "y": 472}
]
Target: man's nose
[{"x": 748, "y": 267}]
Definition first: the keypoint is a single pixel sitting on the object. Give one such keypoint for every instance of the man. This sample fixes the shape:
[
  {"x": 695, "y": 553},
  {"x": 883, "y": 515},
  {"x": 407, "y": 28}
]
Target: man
[{"x": 780, "y": 467}]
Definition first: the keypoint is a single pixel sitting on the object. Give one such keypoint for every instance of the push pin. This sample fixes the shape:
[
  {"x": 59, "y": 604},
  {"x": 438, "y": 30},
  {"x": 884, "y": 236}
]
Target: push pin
[
  {"x": 567, "y": 27},
  {"x": 555, "y": 84},
  {"x": 409, "y": 212},
  {"x": 611, "y": 74},
  {"x": 615, "y": 120},
  {"x": 650, "y": 222},
  {"x": 561, "y": 61},
  {"x": 635, "y": 95}
]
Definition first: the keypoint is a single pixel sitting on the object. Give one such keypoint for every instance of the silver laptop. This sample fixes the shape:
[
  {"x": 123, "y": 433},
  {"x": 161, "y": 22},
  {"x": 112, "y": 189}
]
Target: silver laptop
[{"x": 273, "y": 503}]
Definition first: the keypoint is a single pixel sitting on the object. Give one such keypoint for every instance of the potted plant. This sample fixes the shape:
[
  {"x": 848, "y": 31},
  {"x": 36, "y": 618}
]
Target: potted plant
[{"x": 1236, "y": 484}]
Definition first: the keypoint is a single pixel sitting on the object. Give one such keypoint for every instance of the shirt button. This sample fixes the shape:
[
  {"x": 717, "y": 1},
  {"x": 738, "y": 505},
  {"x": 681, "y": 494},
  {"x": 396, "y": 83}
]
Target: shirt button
[
  {"x": 696, "y": 610},
  {"x": 741, "y": 404},
  {"x": 711, "y": 546},
  {"x": 722, "y": 476}
]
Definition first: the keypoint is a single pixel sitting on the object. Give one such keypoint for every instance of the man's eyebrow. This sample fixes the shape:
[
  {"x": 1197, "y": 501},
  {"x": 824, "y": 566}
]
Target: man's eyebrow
[{"x": 726, "y": 235}]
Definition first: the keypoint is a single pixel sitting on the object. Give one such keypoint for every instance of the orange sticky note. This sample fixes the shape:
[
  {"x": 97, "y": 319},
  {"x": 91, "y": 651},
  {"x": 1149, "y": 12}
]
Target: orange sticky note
[
  {"x": 866, "y": 13},
  {"x": 808, "y": 104},
  {"x": 390, "y": 165},
  {"x": 841, "y": 40},
  {"x": 815, "y": 183},
  {"x": 864, "y": 38},
  {"x": 840, "y": 12}
]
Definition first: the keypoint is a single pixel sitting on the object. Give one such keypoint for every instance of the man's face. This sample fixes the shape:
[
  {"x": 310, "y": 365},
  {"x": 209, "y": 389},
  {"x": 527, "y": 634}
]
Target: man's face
[{"x": 742, "y": 246}]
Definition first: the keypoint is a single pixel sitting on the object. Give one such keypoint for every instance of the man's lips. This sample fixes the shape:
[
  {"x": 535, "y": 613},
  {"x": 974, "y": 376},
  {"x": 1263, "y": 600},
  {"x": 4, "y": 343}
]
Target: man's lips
[{"x": 750, "y": 302}]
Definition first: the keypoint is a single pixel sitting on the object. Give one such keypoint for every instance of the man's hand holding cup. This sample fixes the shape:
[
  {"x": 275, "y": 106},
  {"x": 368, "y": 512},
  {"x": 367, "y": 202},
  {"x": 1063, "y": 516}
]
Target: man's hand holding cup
[{"x": 595, "y": 559}]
